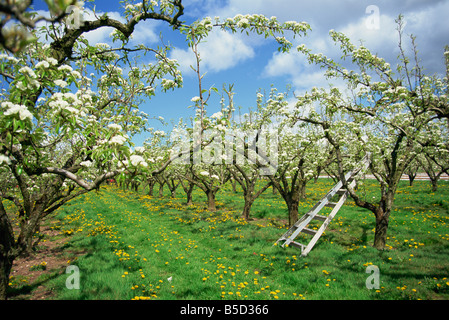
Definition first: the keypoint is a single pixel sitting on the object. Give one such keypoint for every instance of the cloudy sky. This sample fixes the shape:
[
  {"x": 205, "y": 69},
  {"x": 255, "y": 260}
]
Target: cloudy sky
[{"x": 253, "y": 63}]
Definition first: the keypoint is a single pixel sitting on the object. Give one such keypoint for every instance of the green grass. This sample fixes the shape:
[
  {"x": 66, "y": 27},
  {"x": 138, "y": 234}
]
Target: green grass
[{"x": 135, "y": 243}]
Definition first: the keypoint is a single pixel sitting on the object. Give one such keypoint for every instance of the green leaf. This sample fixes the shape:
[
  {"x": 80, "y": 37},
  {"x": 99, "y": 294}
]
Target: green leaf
[
  {"x": 15, "y": 125},
  {"x": 214, "y": 89},
  {"x": 8, "y": 137}
]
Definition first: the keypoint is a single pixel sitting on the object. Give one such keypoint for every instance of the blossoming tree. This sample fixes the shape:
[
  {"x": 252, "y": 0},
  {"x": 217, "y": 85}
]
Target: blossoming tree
[
  {"x": 58, "y": 137},
  {"x": 386, "y": 112},
  {"x": 303, "y": 151}
]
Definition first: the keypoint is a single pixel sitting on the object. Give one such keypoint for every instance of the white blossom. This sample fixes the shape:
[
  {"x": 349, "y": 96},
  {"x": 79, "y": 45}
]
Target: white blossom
[
  {"x": 20, "y": 86},
  {"x": 115, "y": 126},
  {"x": 21, "y": 110},
  {"x": 9, "y": 58},
  {"x": 140, "y": 149},
  {"x": 43, "y": 64},
  {"x": 28, "y": 71},
  {"x": 59, "y": 104},
  {"x": 120, "y": 140},
  {"x": 86, "y": 164},
  {"x": 149, "y": 90},
  {"x": 101, "y": 45},
  {"x": 52, "y": 61},
  {"x": 243, "y": 23},
  {"x": 4, "y": 159},
  {"x": 217, "y": 115},
  {"x": 76, "y": 74},
  {"x": 72, "y": 110},
  {"x": 136, "y": 160},
  {"x": 65, "y": 68},
  {"x": 60, "y": 83},
  {"x": 34, "y": 83},
  {"x": 221, "y": 127}
]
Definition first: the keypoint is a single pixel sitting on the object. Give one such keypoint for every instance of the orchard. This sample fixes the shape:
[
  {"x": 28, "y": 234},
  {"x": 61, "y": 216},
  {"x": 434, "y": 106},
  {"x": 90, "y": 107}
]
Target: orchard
[{"x": 70, "y": 109}]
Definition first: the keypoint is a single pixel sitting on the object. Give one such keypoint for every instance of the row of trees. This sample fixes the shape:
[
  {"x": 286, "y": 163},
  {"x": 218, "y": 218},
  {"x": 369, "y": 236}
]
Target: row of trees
[
  {"x": 398, "y": 115},
  {"x": 69, "y": 110},
  {"x": 298, "y": 167}
]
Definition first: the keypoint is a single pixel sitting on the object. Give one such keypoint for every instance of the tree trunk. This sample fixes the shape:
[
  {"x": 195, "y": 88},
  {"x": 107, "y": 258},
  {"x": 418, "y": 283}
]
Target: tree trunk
[
  {"x": 161, "y": 190},
  {"x": 189, "y": 191},
  {"x": 411, "y": 178},
  {"x": 150, "y": 188},
  {"x": 247, "y": 206},
  {"x": 382, "y": 218},
  {"x": 234, "y": 185},
  {"x": 302, "y": 189},
  {"x": 380, "y": 235},
  {"x": 172, "y": 186},
  {"x": 293, "y": 214},
  {"x": 189, "y": 197},
  {"x": 27, "y": 231},
  {"x": 210, "y": 200},
  {"x": 434, "y": 182},
  {"x": 6, "y": 247},
  {"x": 5, "y": 269}
]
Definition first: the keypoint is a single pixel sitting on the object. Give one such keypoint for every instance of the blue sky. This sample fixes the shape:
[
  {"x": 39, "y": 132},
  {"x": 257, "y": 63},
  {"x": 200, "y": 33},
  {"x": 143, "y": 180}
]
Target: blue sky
[{"x": 253, "y": 63}]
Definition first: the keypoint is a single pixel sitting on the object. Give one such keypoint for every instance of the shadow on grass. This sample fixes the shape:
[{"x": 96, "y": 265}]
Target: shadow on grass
[{"x": 23, "y": 292}]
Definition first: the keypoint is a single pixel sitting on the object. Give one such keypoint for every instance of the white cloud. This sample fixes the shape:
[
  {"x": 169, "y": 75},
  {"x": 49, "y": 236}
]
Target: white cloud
[
  {"x": 185, "y": 58},
  {"x": 282, "y": 64},
  {"x": 382, "y": 41},
  {"x": 145, "y": 32},
  {"x": 221, "y": 51},
  {"x": 426, "y": 20}
]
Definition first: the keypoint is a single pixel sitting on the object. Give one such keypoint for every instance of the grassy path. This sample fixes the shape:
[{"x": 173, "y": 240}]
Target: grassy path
[
  {"x": 144, "y": 252},
  {"x": 142, "y": 247}
]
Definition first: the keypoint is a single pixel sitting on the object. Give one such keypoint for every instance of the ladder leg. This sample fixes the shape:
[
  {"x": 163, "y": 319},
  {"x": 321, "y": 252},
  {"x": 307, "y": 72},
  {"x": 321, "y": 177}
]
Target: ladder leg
[{"x": 324, "y": 226}]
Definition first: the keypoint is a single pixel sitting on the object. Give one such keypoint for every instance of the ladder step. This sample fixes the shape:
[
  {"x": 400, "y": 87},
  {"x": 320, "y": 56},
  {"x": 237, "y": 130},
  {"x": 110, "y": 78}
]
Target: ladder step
[
  {"x": 297, "y": 245},
  {"x": 330, "y": 204},
  {"x": 309, "y": 231},
  {"x": 341, "y": 191},
  {"x": 318, "y": 217}
]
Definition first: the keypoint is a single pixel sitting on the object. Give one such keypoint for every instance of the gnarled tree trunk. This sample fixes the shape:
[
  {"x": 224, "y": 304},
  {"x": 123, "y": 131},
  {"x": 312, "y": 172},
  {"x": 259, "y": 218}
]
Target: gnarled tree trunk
[
  {"x": 6, "y": 251},
  {"x": 210, "y": 200}
]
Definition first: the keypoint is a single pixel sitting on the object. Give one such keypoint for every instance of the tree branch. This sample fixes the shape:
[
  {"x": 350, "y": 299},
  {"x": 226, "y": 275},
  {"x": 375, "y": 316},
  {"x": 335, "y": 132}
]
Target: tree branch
[{"x": 64, "y": 46}]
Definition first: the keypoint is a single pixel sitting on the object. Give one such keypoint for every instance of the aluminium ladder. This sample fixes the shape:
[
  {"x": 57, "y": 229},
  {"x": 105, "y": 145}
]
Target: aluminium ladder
[{"x": 302, "y": 223}]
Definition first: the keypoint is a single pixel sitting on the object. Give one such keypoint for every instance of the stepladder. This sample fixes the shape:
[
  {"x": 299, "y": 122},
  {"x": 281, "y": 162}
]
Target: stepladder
[{"x": 338, "y": 192}]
